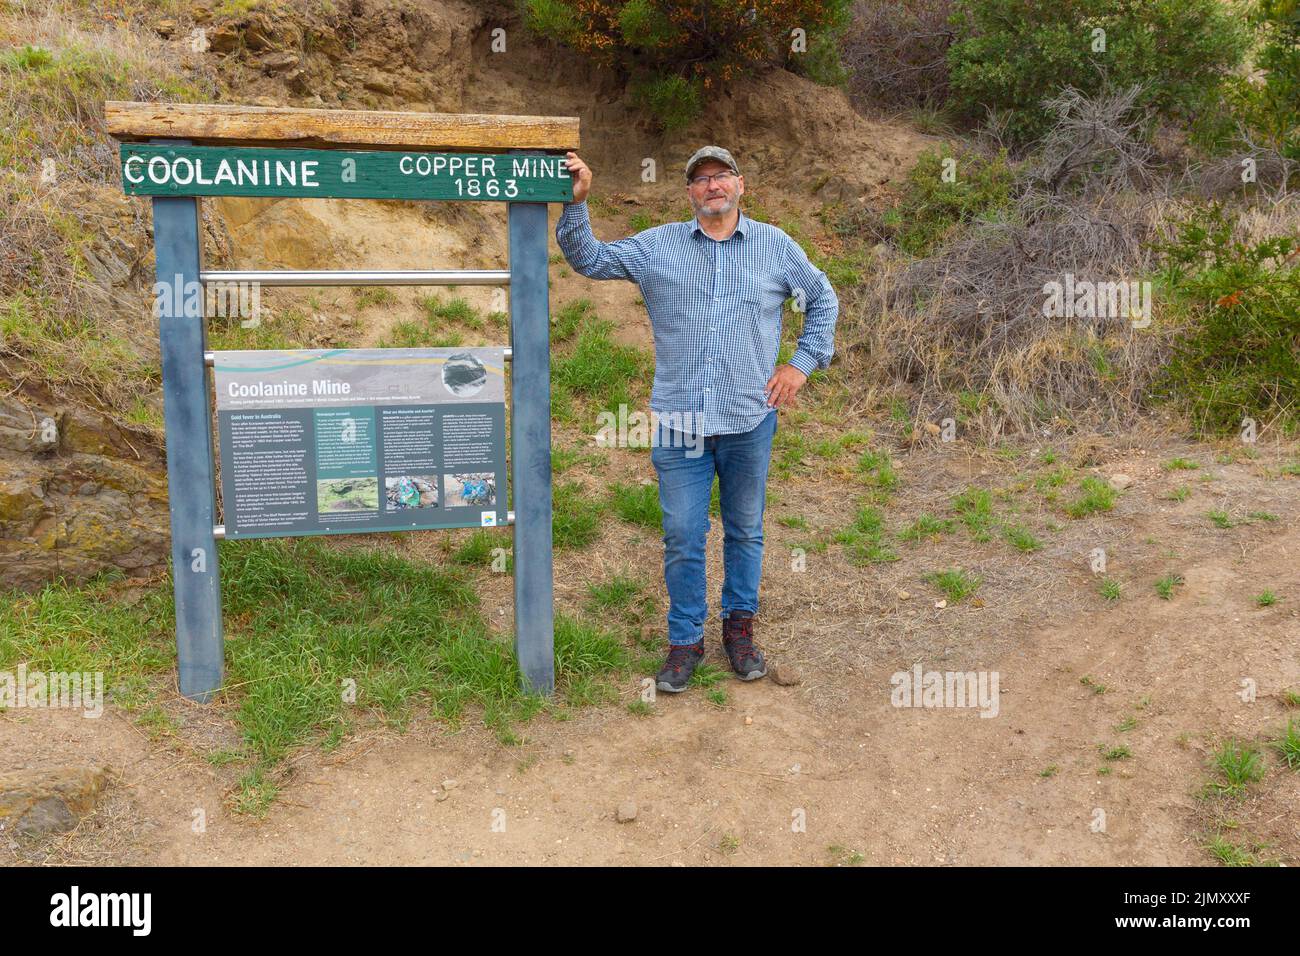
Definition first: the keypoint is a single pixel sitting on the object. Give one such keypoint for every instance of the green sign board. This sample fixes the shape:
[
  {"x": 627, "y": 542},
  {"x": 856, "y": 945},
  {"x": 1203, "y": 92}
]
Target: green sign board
[
  {"x": 332, "y": 441},
  {"x": 151, "y": 169}
]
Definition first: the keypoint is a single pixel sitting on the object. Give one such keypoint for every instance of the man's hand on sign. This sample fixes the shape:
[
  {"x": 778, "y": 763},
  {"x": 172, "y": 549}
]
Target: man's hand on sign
[
  {"x": 581, "y": 174},
  {"x": 782, "y": 387}
]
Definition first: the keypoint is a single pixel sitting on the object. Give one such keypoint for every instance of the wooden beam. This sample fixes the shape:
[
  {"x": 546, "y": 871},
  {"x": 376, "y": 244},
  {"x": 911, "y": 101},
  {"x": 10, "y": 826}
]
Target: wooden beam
[{"x": 233, "y": 125}]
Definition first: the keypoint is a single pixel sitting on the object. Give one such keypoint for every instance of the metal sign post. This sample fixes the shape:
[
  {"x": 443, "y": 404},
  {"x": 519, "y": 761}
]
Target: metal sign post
[{"x": 248, "y": 151}]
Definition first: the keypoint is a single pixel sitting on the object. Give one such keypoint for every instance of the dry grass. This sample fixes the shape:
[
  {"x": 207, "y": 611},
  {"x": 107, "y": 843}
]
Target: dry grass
[
  {"x": 963, "y": 333},
  {"x": 74, "y": 311}
]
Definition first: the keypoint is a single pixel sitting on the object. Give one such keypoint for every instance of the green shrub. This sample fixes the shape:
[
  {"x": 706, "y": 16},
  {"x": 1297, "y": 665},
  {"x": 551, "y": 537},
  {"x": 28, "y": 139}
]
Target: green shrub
[
  {"x": 678, "y": 50},
  {"x": 933, "y": 208},
  {"x": 672, "y": 100},
  {"x": 1239, "y": 353},
  {"x": 1266, "y": 104},
  {"x": 1012, "y": 54}
]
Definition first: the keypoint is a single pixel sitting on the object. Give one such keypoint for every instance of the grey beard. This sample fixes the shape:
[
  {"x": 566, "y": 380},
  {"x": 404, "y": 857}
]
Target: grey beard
[{"x": 727, "y": 207}]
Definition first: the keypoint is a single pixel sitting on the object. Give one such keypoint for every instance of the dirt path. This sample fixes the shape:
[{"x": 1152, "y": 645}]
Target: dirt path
[{"x": 731, "y": 785}]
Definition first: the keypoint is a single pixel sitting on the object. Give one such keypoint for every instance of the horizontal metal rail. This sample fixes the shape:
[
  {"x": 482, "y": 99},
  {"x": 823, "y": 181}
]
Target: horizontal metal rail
[
  {"x": 345, "y": 277},
  {"x": 210, "y": 358}
]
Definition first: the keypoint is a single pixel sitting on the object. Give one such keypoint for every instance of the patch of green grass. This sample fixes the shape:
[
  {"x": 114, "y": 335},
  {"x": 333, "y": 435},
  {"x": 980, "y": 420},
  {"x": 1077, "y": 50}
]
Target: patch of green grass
[
  {"x": 615, "y": 594},
  {"x": 220, "y": 758},
  {"x": 1125, "y": 725},
  {"x": 1021, "y": 538},
  {"x": 1088, "y": 681},
  {"x": 793, "y": 521},
  {"x": 374, "y": 295},
  {"x": 1166, "y": 584},
  {"x": 255, "y": 793},
  {"x": 641, "y": 708},
  {"x": 1120, "y": 752},
  {"x": 1290, "y": 698},
  {"x": 1049, "y": 771},
  {"x": 865, "y": 538},
  {"x": 1095, "y": 495},
  {"x": 1238, "y": 765},
  {"x": 1219, "y": 518},
  {"x": 1051, "y": 481},
  {"x": 878, "y": 469},
  {"x": 974, "y": 509},
  {"x": 717, "y": 696},
  {"x": 788, "y": 448},
  {"x": 157, "y": 723},
  {"x": 1181, "y": 493},
  {"x": 600, "y": 370},
  {"x": 1110, "y": 589},
  {"x": 575, "y": 516},
  {"x": 955, "y": 584},
  {"x": 302, "y": 618},
  {"x": 1180, "y": 464},
  {"x": 637, "y": 504},
  {"x": 826, "y": 448},
  {"x": 477, "y": 549},
  {"x": 570, "y": 317},
  {"x": 706, "y": 675},
  {"x": 562, "y": 459},
  {"x": 454, "y": 311},
  {"x": 843, "y": 856},
  {"x": 1232, "y": 854},
  {"x": 1265, "y": 598},
  {"x": 926, "y": 526},
  {"x": 1287, "y": 745}
]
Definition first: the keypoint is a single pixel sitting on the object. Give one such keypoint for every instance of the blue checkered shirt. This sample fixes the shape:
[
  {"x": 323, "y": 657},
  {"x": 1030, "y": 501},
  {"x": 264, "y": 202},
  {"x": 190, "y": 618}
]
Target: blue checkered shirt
[{"x": 715, "y": 307}]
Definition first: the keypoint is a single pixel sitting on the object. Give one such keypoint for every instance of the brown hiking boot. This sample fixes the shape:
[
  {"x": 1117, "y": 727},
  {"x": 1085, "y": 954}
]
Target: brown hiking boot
[{"x": 738, "y": 641}]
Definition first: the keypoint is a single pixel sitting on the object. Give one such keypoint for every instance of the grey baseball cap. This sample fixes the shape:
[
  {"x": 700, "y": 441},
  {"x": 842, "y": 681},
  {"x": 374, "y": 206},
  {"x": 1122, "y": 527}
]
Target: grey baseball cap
[{"x": 710, "y": 152}]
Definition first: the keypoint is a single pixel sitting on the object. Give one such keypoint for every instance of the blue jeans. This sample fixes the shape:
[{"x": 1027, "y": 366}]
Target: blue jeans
[{"x": 685, "y": 483}]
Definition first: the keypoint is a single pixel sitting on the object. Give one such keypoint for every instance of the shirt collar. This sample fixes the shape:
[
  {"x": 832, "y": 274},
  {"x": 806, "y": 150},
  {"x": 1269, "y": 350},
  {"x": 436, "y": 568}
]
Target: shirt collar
[{"x": 742, "y": 226}]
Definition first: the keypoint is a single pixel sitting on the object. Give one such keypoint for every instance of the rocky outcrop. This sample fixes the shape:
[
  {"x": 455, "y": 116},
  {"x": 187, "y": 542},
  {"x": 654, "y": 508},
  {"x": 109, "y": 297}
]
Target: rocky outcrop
[
  {"x": 377, "y": 53},
  {"x": 77, "y": 496},
  {"x": 49, "y": 800}
]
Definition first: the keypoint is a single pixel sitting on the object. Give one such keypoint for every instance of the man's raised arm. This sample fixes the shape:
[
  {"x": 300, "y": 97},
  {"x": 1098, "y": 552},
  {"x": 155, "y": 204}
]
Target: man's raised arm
[{"x": 622, "y": 259}]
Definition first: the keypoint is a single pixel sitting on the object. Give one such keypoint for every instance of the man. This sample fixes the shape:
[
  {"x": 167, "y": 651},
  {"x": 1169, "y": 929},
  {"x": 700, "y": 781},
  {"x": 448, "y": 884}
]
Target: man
[{"x": 715, "y": 288}]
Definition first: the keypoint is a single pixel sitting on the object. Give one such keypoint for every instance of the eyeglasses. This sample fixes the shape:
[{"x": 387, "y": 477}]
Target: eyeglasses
[{"x": 724, "y": 177}]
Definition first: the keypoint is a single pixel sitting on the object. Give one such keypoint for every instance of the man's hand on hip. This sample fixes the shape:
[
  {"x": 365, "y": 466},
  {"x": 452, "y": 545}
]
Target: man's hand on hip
[{"x": 784, "y": 384}]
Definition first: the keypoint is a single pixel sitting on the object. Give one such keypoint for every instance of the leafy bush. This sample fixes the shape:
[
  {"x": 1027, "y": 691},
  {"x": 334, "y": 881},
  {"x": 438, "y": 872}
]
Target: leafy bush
[
  {"x": 1263, "y": 109},
  {"x": 677, "y": 50},
  {"x": 946, "y": 190},
  {"x": 1011, "y": 54},
  {"x": 1239, "y": 355}
]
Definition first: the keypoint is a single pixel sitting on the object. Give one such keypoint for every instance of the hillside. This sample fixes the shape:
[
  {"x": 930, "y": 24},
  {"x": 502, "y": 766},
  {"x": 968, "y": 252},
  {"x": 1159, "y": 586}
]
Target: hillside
[
  {"x": 94, "y": 502},
  {"x": 1099, "y": 516}
]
